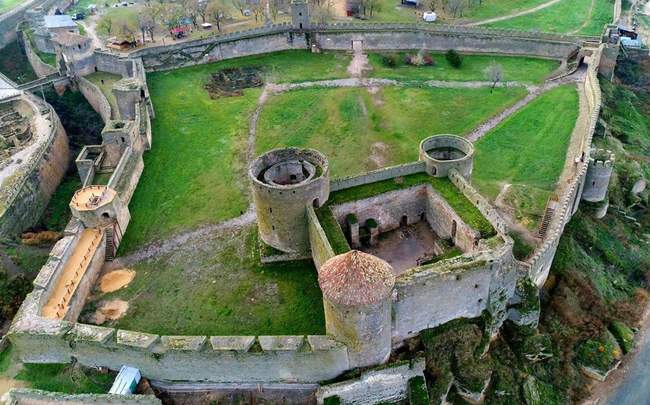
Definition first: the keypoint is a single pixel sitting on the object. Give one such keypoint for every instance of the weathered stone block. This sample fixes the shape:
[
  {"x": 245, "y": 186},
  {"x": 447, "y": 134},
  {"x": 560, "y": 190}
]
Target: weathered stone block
[
  {"x": 235, "y": 343},
  {"x": 90, "y": 333},
  {"x": 190, "y": 343},
  {"x": 281, "y": 342},
  {"x": 136, "y": 339}
]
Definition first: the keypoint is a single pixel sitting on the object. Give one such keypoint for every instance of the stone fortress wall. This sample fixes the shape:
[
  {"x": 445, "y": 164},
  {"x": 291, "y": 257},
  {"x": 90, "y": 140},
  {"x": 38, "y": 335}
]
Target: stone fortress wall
[
  {"x": 290, "y": 359},
  {"x": 339, "y": 36},
  {"x": 41, "y": 68},
  {"x": 10, "y": 20},
  {"x": 539, "y": 264},
  {"x": 27, "y": 189}
]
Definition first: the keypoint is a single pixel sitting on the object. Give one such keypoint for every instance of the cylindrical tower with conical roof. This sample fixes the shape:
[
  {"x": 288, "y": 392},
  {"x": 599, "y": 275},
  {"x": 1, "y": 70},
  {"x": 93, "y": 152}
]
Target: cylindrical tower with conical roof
[{"x": 357, "y": 289}]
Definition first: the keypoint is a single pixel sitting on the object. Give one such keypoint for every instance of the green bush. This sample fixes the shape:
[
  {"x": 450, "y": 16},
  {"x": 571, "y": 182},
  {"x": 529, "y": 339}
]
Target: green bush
[
  {"x": 389, "y": 60},
  {"x": 623, "y": 334},
  {"x": 454, "y": 58},
  {"x": 418, "y": 394},
  {"x": 371, "y": 223}
]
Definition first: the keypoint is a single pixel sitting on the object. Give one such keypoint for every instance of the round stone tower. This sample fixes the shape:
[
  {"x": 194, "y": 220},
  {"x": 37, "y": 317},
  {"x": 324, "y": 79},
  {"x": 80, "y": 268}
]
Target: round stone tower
[
  {"x": 442, "y": 153},
  {"x": 98, "y": 207},
  {"x": 357, "y": 291},
  {"x": 599, "y": 171},
  {"x": 284, "y": 182}
]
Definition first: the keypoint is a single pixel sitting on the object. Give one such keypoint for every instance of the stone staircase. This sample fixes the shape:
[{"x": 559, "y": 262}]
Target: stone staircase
[
  {"x": 549, "y": 212},
  {"x": 110, "y": 245}
]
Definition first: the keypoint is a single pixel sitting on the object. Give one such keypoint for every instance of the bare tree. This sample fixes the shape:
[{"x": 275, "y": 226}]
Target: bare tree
[
  {"x": 456, "y": 7},
  {"x": 106, "y": 24},
  {"x": 202, "y": 9},
  {"x": 153, "y": 13},
  {"x": 217, "y": 10},
  {"x": 494, "y": 73},
  {"x": 239, "y": 5}
]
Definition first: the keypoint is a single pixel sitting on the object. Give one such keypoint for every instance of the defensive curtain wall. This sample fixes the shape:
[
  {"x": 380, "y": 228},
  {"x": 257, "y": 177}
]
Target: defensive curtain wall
[
  {"x": 10, "y": 20},
  {"x": 30, "y": 176},
  {"x": 380, "y": 36},
  {"x": 267, "y": 358}
]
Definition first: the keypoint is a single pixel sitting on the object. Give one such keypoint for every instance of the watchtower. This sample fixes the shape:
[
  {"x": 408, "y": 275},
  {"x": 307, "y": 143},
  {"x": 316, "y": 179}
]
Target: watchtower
[
  {"x": 102, "y": 208},
  {"x": 441, "y": 153},
  {"x": 599, "y": 171},
  {"x": 128, "y": 92},
  {"x": 284, "y": 183},
  {"x": 357, "y": 291},
  {"x": 300, "y": 14}
]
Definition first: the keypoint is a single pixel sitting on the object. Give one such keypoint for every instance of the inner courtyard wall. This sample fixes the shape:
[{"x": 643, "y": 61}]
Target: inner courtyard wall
[{"x": 388, "y": 209}]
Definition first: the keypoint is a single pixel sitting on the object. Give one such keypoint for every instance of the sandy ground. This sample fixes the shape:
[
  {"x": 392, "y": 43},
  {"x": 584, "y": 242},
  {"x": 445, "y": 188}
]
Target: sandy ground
[
  {"x": 73, "y": 271},
  {"x": 115, "y": 280},
  {"x": 110, "y": 311}
]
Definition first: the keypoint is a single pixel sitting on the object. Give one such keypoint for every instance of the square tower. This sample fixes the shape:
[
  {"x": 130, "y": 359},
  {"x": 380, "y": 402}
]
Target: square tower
[{"x": 300, "y": 14}]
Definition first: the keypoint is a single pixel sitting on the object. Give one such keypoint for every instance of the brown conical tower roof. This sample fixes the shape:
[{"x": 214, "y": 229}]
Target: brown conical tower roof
[{"x": 356, "y": 278}]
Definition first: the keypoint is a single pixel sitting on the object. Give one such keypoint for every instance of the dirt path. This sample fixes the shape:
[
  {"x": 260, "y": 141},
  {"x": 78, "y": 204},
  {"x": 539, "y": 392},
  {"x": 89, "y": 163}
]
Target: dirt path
[
  {"x": 359, "y": 64},
  {"x": 533, "y": 93},
  {"x": 514, "y": 15},
  {"x": 180, "y": 239},
  {"x": 90, "y": 31},
  {"x": 252, "y": 124},
  {"x": 587, "y": 20}
]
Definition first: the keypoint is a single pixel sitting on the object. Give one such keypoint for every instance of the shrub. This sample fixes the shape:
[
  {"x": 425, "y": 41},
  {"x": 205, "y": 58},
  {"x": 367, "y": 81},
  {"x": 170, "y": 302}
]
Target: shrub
[
  {"x": 389, "y": 60},
  {"x": 454, "y": 58},
  {"x": 371, "y": 223},
  {"x": 351, "y": 219}
]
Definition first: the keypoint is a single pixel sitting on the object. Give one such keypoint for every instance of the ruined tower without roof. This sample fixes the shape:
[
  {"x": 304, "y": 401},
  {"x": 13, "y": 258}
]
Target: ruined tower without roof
[
  {"x": 284, "y": 182},
  {"x": 441, "y": 153},
  {"x": 357, "y": 289},
  {"x": 599, "y": 171}
]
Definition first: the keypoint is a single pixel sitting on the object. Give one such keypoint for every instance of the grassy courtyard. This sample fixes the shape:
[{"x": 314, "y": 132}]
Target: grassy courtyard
[
  {"x": 217, "y": 286},
  {"x": 529, "y": 70},
  {"x": 567, "y": 16},
  {"x": 7, "y": 5},
  {"x": 105, "y": 82},
  {"x": 360, "y": 130},
  {"x": 528, "y": 151}
]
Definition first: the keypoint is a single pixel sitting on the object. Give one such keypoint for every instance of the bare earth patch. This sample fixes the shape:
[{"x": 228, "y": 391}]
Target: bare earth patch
[
  {"x": 109, "y": 311},
  {"x": 378, "y": 155},
  {"x": 115, "y": 280}
]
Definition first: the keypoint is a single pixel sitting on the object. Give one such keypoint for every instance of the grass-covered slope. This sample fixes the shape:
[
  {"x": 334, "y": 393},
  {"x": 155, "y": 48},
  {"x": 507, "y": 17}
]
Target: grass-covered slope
[
  {"x": 527, "y": 70},
  {"x": 360, "y": 130},
  {"x": 217, "y": 286},
  {"x": 528, "y": 151},
  {"x": 567, "y": 16}
]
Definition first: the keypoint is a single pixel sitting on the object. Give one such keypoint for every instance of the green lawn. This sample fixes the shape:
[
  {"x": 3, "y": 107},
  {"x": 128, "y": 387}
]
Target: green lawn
[
  {"x": 195, "y": 173},
  {"x": 532, "y": 70},
  {"x": 6, "y": 5},
  {"x": 528, "y": 151},
  {"x": 105, "y": 82},
  {"x": 57, "y": 214},
  {"x": 65, "y": 378},
  {"x": 360, "y": 131},
  {"x": 564, "y": 17},
  {"x": 498, "y": 8},
  {"x": 217, "y": 286}
]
